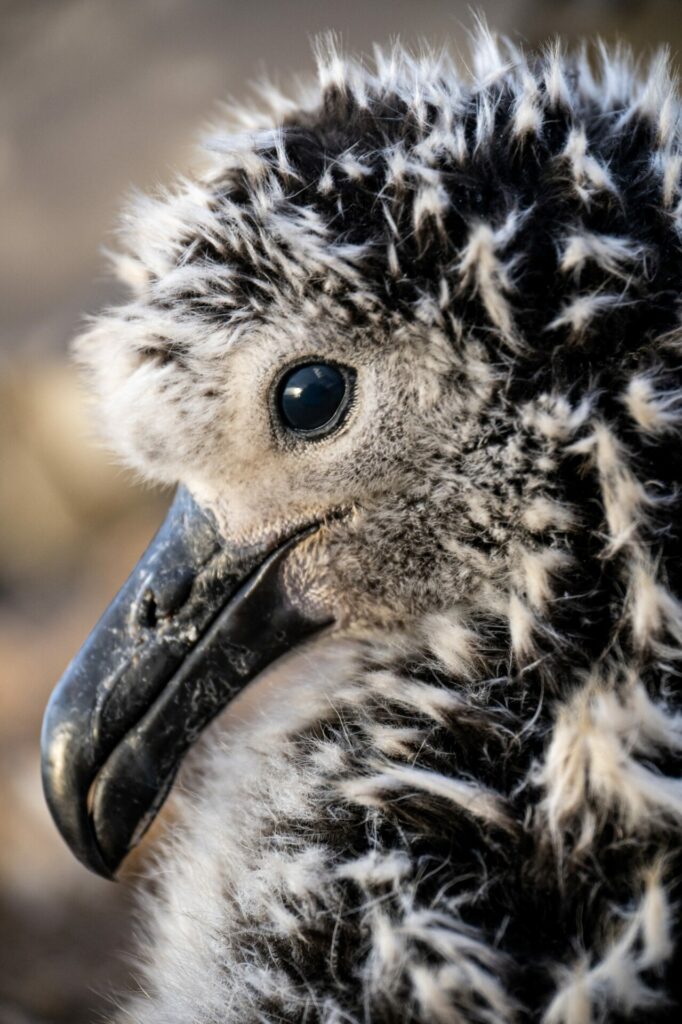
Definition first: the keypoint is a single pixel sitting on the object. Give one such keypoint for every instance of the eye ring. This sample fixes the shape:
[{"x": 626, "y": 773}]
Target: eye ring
[{"x": 313, "y": 398}]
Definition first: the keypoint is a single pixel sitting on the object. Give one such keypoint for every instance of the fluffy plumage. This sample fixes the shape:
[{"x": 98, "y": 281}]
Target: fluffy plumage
[{"x": 479, "y": 819}]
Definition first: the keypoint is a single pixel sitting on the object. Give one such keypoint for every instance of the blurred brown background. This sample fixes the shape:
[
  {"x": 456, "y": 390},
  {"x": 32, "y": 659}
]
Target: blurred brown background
[{"x": 97, "y": 96}]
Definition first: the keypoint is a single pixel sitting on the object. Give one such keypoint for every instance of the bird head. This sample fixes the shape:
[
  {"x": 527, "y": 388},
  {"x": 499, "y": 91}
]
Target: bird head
[{"x": 361, "y": 343}]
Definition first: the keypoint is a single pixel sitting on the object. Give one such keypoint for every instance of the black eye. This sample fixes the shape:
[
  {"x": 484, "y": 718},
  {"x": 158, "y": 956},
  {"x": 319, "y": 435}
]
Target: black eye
[{"x": 313, "y": 398}]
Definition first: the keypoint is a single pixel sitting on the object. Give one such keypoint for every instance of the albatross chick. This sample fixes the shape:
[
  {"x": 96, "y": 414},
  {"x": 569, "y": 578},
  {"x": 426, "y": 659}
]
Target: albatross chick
[{"x": 410, "y": 347}]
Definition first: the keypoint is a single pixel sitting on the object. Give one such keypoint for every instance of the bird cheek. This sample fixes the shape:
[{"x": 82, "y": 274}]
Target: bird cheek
[{"x": 310, "y": 572}]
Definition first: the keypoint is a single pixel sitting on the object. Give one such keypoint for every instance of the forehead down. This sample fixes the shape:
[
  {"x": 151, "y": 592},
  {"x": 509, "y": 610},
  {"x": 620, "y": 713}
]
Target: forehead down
[{"x": 532, "y": 205}]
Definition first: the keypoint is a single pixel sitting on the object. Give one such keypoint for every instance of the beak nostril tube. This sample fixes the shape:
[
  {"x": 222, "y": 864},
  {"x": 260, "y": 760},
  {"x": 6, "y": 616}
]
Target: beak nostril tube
[
  {"x": 164, "y": 596},
  {"x": 147, "y": 610}
]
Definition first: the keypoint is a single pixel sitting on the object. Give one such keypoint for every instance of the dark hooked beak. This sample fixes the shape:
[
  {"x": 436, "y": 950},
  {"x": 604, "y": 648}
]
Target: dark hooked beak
[{"x": 195, "y": 621}]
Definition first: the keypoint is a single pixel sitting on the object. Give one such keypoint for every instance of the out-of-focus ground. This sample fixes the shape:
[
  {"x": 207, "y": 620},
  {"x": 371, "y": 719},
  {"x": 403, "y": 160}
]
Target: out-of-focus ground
[{"x": 95, "y": 96}]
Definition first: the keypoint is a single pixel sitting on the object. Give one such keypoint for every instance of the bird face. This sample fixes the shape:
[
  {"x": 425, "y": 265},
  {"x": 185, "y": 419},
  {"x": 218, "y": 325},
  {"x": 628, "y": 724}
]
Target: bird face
[{"x": 301, "y": 447}]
